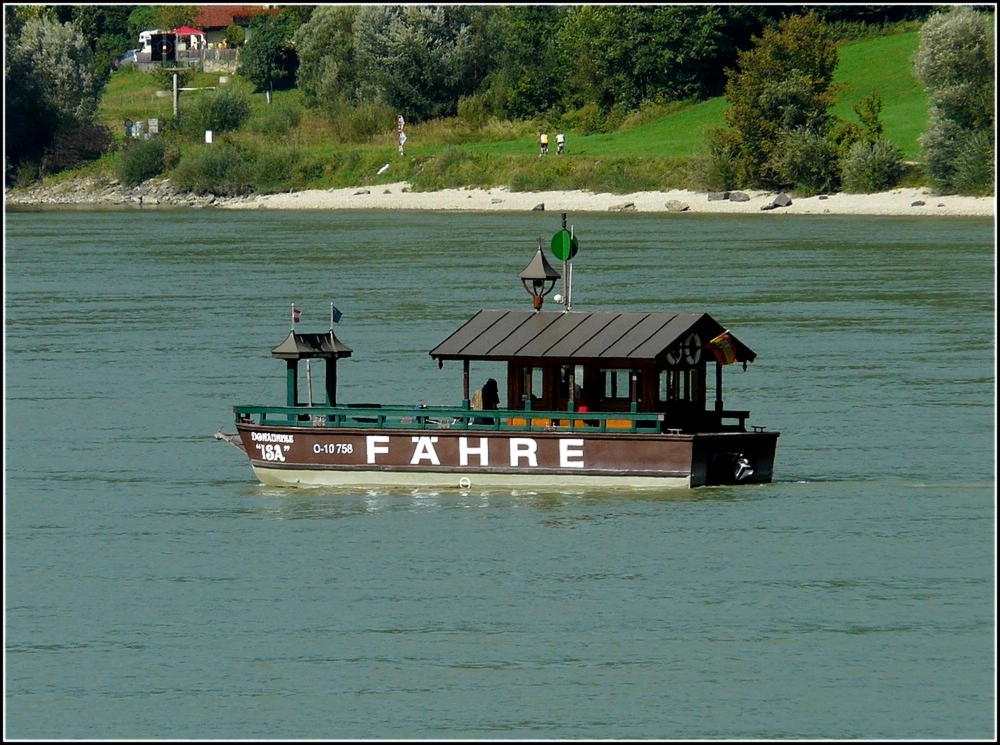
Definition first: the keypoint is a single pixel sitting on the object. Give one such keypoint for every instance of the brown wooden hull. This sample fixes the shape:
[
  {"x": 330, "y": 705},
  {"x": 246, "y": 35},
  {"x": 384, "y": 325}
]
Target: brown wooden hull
[{"x": 343, "y": 456}]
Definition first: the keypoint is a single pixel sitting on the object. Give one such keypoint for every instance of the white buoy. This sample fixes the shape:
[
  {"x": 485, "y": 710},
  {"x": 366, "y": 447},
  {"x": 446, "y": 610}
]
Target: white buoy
[{"x": 382, "y": 170}]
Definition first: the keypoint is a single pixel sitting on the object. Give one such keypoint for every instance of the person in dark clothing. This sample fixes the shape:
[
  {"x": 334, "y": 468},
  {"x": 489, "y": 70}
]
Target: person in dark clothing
[
  {"x": 490, "y": 398},
  {"x": 491, "y": 395}
]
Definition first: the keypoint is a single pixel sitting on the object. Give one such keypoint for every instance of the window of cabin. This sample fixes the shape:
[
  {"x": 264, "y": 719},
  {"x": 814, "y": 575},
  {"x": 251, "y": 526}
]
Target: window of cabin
[
  {"x": 681, "y": 385},
  {"x": 564, "y": 375},
  {"x": 532, "y": 386},
  {"x": 616, "y": 385}
]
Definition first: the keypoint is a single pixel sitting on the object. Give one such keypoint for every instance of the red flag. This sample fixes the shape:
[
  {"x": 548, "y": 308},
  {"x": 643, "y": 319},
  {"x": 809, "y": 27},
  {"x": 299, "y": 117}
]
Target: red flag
[
  {"x": 723, "y": 348},
  {"x": 295, "y": 314}
]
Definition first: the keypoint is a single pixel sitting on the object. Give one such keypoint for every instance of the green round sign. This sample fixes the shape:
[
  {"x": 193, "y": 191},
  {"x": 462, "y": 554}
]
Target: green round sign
[{"x": 564, "y": 245}]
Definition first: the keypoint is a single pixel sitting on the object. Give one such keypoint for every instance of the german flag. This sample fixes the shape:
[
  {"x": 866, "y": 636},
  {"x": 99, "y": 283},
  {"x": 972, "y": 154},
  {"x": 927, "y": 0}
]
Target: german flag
[{"x": 723, "y": 348}]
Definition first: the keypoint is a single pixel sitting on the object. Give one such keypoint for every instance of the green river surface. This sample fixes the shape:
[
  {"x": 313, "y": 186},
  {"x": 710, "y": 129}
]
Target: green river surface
[{"x": 153, "y": 590}]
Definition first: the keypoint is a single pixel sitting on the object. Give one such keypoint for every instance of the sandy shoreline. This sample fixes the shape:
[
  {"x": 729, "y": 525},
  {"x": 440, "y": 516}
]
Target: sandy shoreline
[
  {"x": 157, "y": 193},
  {"x": 397, "y": 196}
]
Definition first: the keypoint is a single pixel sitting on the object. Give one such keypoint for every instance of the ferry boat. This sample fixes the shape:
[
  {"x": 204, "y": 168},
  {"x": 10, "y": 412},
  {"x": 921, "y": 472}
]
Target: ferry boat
[{"x": 594, "y": 399}]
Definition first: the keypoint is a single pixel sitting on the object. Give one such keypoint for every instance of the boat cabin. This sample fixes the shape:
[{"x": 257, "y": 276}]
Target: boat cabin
[{"x": 607, "y": 362}]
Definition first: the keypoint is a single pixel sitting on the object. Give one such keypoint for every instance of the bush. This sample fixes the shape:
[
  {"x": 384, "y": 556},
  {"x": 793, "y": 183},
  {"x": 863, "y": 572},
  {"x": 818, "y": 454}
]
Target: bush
[
  {"x": 472, "y": 111},
  {"x": 171, "y": 157},
  {"x": 225, "y": 110},
  {"x": 276, "y": 120},
  {"x": 805, "y": 161},
  {"x": 959, "y": 160},
  {"x": 79, "y": 145},
  {"x": 368, "y": 120},
  {"x": 956, "y": 63},
  {"x": 26, "y": 172},
  {"x": 235, "y": 36},
  {"x": 719, "y": 170},
  {"x": 447, "y": 170},
  {"x": 165, "y": 78},
  {"x": 141, "y": 161},
  {"x": 360, "y": 123},
  {"x": 281, "y": 169},
  {"x": 871, "y": 167},
  {"x": 587, "y": 120},
  {"x": 224, "y": 169},
  {"x": 975, "y": 166}
]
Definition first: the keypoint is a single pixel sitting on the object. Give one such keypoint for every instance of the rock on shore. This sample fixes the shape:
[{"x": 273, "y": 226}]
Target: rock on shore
[{"x": 95, "y": 192}]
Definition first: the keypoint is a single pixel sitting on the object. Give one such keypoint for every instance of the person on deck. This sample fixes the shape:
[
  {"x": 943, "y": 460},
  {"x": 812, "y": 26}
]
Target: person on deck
[
  {"x": 491, "y": 395},
  {"x": 486, "y": 398}
]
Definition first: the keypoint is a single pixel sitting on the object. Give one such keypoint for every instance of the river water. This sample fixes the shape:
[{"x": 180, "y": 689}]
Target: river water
[{"x": 153, "y": 590}]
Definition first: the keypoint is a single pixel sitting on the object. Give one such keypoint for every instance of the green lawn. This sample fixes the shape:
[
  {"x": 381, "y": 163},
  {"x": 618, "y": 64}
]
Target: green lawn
[
  {"x": 654, "y": 154},
  {"x": 881, "y": 64},
  {"x": 884, "y": 65}
]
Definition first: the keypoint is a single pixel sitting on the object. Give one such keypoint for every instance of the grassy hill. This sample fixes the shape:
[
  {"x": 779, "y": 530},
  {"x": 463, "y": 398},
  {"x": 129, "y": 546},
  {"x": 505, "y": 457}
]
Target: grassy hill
[
  {"x": 655, "y": 149},
  {"x": 884, "y": 65}
]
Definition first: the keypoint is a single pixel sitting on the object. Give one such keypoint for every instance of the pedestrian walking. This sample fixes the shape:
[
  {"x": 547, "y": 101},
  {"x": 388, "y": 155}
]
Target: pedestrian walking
[{"x": 400, "y": 135}]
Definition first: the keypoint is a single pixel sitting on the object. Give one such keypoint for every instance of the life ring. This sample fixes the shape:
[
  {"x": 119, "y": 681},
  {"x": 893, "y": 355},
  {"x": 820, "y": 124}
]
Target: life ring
[
  {"x": 692, "y": 349},
  {"x": 673, "y": 357}
]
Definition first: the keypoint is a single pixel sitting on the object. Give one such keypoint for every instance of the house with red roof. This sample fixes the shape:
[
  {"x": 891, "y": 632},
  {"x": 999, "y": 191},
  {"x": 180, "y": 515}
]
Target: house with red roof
[{"x": 215, "y": 19}]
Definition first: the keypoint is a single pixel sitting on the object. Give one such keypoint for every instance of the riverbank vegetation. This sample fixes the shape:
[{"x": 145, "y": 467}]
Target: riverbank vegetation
[{"x": 844, "y": 99}]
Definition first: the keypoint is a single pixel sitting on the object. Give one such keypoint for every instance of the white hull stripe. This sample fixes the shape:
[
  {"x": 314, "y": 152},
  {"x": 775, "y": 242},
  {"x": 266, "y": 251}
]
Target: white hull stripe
[{"x": 444, "y": 480}]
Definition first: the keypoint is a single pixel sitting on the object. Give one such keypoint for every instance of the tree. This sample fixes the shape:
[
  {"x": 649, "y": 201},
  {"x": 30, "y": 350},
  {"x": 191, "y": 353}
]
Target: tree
[
  {"x": 235, "y": 36},
  {"x": 28, "y": 125},
  {"x": 784, "y": 83},
  {"x": 328, "y": 70},
  {"x": 49, "y": 85},
  {"x": 956, "y": 63},
  {"x": 143, "y": 18},
  {"x": 418, "y": 59},
  {"x": 268, "y": 59},
  {"x": 105, "y": 27},
  {"x": 527, "y": 78},
  {"x": 169, "y": 17},
  {"x": 638, "y": 53}
]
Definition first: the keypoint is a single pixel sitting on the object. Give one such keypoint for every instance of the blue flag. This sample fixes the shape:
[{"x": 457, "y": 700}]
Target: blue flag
[{"x": 335, "y": 314}]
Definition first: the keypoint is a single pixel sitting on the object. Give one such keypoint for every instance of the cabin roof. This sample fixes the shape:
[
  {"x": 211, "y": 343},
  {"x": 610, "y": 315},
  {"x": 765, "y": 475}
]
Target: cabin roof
[
  {"x": 325, "y": 345},
  {"x": 569, "y": 335}
]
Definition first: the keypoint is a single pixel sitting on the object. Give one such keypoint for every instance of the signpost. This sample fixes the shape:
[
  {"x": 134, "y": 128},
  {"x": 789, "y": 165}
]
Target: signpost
[
  {"x": 163, "y": 48},
  {"x": 564, "y": 246}
]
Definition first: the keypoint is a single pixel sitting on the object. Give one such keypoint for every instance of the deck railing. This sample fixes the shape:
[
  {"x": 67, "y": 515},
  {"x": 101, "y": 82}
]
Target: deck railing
[{"x": 449, "y": 417}]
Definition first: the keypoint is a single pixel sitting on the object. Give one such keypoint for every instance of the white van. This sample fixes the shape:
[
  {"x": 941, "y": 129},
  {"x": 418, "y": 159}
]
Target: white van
[{"x": 146, "y": 40}]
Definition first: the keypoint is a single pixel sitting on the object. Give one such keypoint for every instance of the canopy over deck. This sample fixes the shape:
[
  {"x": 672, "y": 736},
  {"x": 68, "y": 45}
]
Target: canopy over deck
[
  {"x": 506, "y": 335},
  {"x": 325, "y": 345}
]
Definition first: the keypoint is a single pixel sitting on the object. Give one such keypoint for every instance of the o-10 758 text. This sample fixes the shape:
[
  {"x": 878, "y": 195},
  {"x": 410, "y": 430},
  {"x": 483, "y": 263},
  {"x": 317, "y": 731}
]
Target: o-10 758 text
[{"x": 334, "y": 448}]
